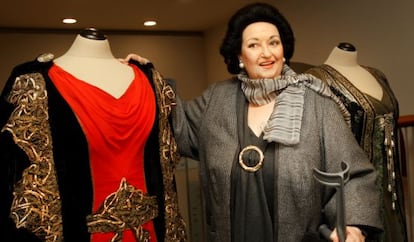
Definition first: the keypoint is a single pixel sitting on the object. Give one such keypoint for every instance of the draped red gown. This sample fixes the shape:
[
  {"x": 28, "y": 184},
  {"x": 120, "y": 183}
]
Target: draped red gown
[{"x": 116, "y": 130}]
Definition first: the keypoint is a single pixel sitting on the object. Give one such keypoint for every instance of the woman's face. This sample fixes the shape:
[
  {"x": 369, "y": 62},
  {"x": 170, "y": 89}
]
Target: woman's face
[{"x": 262, "y": 51}]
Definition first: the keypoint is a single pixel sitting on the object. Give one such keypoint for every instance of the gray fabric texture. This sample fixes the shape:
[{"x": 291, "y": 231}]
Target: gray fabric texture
[
  {"x": 284, "y": 123},
  {"x": 206, "y": 130}
]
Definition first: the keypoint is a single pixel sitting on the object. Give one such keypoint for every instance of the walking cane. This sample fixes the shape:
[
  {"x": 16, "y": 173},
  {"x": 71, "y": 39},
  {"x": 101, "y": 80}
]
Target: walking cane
[{"x": 336, "y": 180}]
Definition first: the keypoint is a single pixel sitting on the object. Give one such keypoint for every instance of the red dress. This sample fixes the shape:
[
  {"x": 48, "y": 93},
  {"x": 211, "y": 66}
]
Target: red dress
[{"x": 116, "y": 129}]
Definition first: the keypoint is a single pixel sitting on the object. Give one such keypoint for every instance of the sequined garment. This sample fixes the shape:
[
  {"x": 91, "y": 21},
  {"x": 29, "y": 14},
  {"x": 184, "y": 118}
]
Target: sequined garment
[{"x": 373, "y": 123}]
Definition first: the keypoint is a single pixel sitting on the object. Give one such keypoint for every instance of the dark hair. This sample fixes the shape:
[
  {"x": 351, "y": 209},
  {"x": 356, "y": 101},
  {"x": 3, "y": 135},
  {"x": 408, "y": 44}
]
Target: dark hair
[{"x": 252, "y": 13}]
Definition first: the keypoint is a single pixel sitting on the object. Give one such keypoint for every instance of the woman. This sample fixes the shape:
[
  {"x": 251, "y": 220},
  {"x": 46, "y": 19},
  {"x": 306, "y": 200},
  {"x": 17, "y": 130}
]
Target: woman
[{"x": 259, "y": 136}]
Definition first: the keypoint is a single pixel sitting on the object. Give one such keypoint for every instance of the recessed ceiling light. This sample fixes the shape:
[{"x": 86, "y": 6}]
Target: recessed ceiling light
[
  {"x": 69, "y": 21},
  {"x": 150, "y": 23}
]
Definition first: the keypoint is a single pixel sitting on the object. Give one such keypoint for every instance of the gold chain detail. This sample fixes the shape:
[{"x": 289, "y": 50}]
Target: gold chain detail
[{"x": 36, "y": 204}]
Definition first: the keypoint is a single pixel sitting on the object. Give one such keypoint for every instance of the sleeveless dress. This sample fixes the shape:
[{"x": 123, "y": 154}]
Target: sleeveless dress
[{"x": 116, "y": 130}]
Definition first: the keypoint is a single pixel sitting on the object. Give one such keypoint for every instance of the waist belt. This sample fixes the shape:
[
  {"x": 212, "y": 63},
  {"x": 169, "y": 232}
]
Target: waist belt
[{"x": 127, "y": 208}]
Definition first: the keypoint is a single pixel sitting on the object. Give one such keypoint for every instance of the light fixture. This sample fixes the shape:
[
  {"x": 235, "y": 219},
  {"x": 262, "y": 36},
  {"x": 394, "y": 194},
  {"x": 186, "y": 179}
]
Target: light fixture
[
  {"x": 69, "y": 21},
  {"x": 150, "y": 23}
]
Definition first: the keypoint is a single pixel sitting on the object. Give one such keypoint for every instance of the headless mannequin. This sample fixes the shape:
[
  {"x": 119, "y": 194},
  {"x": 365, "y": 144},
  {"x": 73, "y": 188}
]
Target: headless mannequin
[
  {"x": 343, "y": 58},
  {"x": 90, "y": 59}
]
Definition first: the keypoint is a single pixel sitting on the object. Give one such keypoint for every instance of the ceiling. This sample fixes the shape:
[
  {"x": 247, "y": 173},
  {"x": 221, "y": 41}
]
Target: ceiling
[{"x": 120, "y": 15}]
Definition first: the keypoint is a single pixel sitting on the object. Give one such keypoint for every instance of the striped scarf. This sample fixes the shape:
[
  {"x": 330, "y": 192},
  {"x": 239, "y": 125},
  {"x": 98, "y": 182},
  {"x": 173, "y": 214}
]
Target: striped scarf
[{"x": 288, "y": 89}]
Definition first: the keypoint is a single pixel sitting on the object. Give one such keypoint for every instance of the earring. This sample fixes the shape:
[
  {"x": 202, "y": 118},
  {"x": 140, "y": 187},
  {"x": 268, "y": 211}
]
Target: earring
[
  {"x": 241, "y": 65},
  {"x": 284, "y": 59}
]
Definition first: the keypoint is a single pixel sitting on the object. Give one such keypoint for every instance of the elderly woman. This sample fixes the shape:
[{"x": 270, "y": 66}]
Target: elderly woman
[{"x": 259, "y": 135}]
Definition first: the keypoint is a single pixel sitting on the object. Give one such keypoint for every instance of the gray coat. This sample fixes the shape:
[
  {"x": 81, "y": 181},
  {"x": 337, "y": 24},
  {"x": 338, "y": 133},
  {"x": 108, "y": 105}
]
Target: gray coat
[{"x": 206, "y": 130}]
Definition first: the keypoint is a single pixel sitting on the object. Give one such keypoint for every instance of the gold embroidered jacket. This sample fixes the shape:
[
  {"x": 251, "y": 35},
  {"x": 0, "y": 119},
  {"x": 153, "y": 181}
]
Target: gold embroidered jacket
[{"x": 46, "y": 185}]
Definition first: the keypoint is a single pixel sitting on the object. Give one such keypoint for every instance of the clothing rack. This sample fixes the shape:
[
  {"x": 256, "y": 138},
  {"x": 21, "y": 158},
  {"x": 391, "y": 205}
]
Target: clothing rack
[{"x": 406, "y": 133}]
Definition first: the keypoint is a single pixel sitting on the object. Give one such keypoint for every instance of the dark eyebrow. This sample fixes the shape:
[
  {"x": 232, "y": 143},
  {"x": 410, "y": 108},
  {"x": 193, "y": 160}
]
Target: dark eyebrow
[{"x": 275, "y": 36}]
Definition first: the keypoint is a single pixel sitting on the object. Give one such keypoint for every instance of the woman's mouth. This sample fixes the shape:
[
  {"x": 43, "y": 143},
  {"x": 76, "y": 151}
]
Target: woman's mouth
[{"x": 267, "y": 64}]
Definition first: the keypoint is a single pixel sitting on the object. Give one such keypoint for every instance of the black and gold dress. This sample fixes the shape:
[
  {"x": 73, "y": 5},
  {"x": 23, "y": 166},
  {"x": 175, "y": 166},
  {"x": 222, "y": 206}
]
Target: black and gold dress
[{"x": 374, "y": 124}]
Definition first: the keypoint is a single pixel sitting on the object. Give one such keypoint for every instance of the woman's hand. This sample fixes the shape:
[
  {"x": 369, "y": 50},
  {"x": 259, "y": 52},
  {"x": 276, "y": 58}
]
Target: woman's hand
[
  {"x": 353, "y": 234},
  {"x": 135, "y": 57}
]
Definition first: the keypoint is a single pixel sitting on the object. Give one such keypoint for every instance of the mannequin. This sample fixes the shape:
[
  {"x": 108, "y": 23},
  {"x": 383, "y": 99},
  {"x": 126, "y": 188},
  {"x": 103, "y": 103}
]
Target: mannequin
[
  {"x": 90, "y": 59},
  {"x": 344, "y": 59},
  {"x": 373, "y": 107},
  {"x": 86, "y": 149}
]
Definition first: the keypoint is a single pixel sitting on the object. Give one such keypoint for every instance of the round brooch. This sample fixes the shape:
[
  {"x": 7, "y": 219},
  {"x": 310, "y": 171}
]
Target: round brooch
[{"x": 259, "y": 162}]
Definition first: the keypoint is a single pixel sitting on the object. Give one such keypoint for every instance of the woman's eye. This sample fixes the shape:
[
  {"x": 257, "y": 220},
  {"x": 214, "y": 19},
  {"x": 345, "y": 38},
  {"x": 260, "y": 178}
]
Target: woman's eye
[
  {"x": 275, "y": 42},
  {"x": 252, "y": 45}
]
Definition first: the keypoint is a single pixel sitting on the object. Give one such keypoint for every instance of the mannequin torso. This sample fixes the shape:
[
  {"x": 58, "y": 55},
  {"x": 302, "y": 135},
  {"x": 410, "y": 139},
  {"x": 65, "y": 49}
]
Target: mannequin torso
[
  {"x": 91, "y": 61},
  {"x": 345, "y": 62}
]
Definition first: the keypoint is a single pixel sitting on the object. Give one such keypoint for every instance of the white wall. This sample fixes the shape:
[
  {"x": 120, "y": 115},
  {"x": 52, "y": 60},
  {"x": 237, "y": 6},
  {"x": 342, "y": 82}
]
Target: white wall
[{"x": 381, "y": 30}]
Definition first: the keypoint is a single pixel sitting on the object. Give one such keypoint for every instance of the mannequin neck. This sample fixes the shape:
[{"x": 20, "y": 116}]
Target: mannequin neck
[
  {"x": 339, "y": 57},
  {"x": 92, "y": 61},
  {"x": 345, "y": 62},
  {"x": 84, "y": 47}
]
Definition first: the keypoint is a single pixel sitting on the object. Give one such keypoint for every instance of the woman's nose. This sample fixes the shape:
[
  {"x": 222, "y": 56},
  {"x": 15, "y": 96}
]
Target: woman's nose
[{"x": 266, "y": 51}]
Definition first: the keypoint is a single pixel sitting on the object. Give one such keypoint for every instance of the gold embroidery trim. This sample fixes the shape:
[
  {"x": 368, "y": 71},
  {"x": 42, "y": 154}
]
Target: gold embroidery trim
[
  {"x": 329, "y": 73},
  {"x": 387, "y": 122},
  {"x": 36, "y": 202},
  {"x": 127, "y": 208},
  {"x": 174, "y": 223}
]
